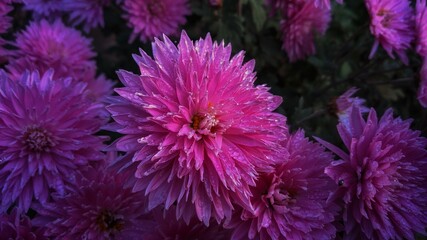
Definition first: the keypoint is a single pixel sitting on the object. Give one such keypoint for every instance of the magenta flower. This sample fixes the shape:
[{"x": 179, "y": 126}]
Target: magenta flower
[
  {"x": 421, "y": 47},
  {"x": 96, "y": 206},
  {"x": 100, "y": 88},
  {"x": 46, "y": 134},
  {"x": 89, "y": 13},
  {"x": 392, "y": 24},
  {"x": 382, "y": 178},
  {"x": 344, "y": 103},
  {"x": 291, "y": 202},
  {"x": 200, "y": 128},
  {"x": 302, "y": 21},
  {"x": 15, "y": 226},
  {"x": 168, "y": 227},
  {"x": 43, "y": 45},
  {"x": 152, "y": 18}
]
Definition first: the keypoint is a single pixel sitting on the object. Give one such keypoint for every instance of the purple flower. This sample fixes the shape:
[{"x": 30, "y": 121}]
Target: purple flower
[
  {"x": 46, "y": 134},
  {"x": 15, "y": 226},
  {"x": 168, "y": 227},
  {"x": 5, "y": 20},
  {"x": 343, "y": 104},
  {"x": 152, "y": 18},
  {"x": 392, "y": 24},
  {"x": 421, "y": 27},
  {"x": 43, "y": 8},
  {"x": 291, "y": 202},
  {"x": 89, "y": 13},
  {"x": 422, "y": 90},
  {"x": 100, "y": 88},
  {"x": 421, "y": 46},
  {"x": 43, "y": 45},
  {"x": 5, "y": 23},
  {"x": 200, "y": 130},
  {"x": 382, "y": 178},
  {"x": 302, "y": 21},
  {"x": 96, "y": 206}
]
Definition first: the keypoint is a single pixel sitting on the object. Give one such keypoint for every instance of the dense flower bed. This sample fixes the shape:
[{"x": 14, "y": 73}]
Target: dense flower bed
[{"x": 213, "y": 119}]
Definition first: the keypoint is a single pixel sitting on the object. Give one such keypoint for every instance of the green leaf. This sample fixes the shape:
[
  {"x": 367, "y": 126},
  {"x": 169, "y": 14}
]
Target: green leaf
[
  {"x": 259, "y": 15},
  {"x": 345, "y": 70}
]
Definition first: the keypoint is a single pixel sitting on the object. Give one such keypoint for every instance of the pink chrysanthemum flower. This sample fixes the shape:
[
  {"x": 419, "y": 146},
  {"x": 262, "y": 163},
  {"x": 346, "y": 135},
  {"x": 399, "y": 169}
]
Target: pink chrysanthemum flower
[
  {"x": 302, "y": 21},
  {"x": 382, "y": 178},
  {"x": 168, "y": 227},
  {"x": 152, "y": 18},
  {"x": 43, "y": 45},
  {"x": 43, "y": 8},
  {"x": 392, "y": 24},
  {"x": 89, "y": 13},
  {"x": 96, "y": 206},
  {"x": 19, "y": 227},
  {"x": 46, "y": 134},
  {"x": 291, "y": 202},
  {"x": 200, "y": 128}
]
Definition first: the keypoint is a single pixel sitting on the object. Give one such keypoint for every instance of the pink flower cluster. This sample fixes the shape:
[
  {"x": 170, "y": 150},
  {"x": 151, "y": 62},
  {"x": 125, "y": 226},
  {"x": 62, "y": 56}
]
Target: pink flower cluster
[{"x": 201, "y": 150}]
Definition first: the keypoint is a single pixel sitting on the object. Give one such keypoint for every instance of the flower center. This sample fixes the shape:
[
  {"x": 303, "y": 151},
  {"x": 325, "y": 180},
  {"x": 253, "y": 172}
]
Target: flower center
[
  {"x": 278, "y": 196},
  {"x": 155, "y": 8},
  {"x": 107, "y": 221},
  {"x": 386, "y": 17},
  {"x": 37, "y": 139},
  {"x": 205, "y": 123}
]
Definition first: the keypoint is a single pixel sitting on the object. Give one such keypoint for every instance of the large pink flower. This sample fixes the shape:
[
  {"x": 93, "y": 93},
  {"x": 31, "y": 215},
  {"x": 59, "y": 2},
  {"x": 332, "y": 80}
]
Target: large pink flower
[
  {"x": 382, "y": 178},
  {"x": 291, "y": 202},
  {"x": 302, "y": 21},
  {"x": 200, "y": 128},
  {"x": 47, "y": 133},
  {"x": 152, "y": 18},
  {"x": 392, "y": 24}
]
